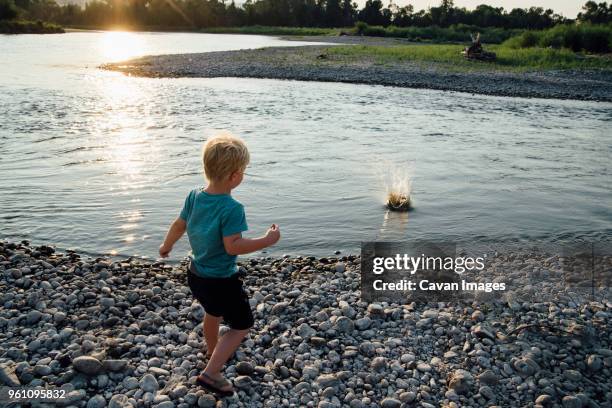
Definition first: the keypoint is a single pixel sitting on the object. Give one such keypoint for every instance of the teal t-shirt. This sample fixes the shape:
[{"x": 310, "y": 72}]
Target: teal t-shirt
[{"x": 209, "y": 218}]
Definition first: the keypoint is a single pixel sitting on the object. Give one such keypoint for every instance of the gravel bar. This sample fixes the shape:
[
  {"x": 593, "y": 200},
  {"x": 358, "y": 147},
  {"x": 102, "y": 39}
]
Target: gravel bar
[
  {"x": 125, "y": 333},
  {"x": 311, "y": 63}
]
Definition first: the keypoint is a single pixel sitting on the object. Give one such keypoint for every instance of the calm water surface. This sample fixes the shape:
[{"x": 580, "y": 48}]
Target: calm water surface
[{"x": 101, "y": 162}]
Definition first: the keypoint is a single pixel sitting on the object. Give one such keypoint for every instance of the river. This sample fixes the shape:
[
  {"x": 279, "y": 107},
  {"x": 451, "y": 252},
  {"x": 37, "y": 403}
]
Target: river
[{"x": 101, "y": 162}]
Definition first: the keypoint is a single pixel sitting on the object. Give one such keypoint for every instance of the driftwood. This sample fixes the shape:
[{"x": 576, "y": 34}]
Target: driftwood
[{"x": 476, "y": 52}]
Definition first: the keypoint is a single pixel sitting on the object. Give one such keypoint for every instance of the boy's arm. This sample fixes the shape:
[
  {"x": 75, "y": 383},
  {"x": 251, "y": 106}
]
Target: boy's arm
[
  {"x": 176, "y": 231},
  {"x": 237, "y": 245}
]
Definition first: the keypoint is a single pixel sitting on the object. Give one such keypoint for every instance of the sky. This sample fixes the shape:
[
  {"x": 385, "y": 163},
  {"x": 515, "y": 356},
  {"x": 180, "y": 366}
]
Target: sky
[{"x": 569, "y": 8}]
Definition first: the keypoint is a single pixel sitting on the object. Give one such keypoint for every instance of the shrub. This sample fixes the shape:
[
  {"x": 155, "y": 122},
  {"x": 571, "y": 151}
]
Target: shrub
[
  {"x": 8, "y": 10},
  {"x": 583, "y": 37}
]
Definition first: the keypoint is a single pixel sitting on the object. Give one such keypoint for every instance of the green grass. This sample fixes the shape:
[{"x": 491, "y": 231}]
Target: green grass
[
  {"x": 28, "y": 27},
  {"x": 267, "y": 30},
  {"x": 449, "y": 57}
]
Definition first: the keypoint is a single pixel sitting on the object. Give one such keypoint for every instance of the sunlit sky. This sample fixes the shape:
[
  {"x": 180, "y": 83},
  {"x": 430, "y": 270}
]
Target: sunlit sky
[{"x": 569, "y": 8}]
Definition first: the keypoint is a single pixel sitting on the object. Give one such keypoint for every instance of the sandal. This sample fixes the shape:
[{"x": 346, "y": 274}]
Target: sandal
[{"x": 215, "y": 386}]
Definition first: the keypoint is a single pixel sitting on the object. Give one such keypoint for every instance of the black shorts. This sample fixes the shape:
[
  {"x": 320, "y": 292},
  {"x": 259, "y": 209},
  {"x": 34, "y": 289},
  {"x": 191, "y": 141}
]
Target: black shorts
[{"x": 223, "y": 297}]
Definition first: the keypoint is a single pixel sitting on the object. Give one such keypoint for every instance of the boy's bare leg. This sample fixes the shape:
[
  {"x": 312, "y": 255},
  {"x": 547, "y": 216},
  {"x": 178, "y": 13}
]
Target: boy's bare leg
[
  {"x": 225, "y": 348},
  {"x": 210, "y": 327}
]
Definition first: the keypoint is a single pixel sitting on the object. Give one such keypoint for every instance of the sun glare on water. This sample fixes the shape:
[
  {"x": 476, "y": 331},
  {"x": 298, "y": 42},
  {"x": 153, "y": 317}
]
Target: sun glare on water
[{"x": 121, "y": 45}]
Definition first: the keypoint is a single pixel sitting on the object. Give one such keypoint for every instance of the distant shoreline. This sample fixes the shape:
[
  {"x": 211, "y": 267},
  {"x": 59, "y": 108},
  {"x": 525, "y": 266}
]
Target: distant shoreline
[
  {"x": 319, "y": 63},
  {"x": 29, "y": 27}
]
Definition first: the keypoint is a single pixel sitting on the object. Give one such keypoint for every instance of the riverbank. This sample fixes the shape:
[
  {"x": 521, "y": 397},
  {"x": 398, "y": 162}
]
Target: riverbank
[
  {"x": 379, "y": 61},
  {"x": 127, "y": 333},
  {"x": 29, "y": 27}
]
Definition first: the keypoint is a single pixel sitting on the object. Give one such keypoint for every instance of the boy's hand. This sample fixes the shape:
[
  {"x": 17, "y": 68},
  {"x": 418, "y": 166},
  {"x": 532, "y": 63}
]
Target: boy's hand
[
  {"x": 164, "y": 250},
  {"x": 273, "y": 234}
]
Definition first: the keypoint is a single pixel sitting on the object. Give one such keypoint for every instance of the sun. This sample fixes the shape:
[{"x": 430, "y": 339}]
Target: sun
[{"x": 121, "y": 45}]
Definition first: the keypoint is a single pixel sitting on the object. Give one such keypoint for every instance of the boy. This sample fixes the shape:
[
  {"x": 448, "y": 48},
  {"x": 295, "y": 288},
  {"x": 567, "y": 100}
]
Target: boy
[{"x": 214, "y": 222}]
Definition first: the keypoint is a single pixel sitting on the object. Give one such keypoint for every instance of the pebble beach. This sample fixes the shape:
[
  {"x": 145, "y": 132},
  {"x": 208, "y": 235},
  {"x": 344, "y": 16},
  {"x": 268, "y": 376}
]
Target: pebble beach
[
  {"x": 127, "y": 333},
  {"x": 312, "y": 63}
]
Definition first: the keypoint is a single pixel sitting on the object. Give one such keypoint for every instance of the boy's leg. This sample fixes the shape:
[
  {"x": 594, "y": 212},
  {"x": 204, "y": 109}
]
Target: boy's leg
[
  {"x": 210, "y": 327},
  {"x": 223, "y": 351}
]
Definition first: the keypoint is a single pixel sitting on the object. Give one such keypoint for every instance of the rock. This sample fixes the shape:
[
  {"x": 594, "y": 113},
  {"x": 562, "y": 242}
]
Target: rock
[
  {"x": 570, "y": 401},
  {"x": 327, "y": 380},
  {"x": 178, "y": 391},
  {"x": 42, "y": 370},
  {"x": 148, "y": 383},
  {"x": 375, "y": 309},
  {"x": 207, "y": 401},
  {"x": 573, "y": 375},
  {"x": 407, "y": 396},
  {"x": 279, "y": 308},
  {"x": 594, "y": 362},
  {"x": 244, "y": 368},
  {"x": 33, "y": 317},
  {"x": 526, "y": 366},
  {"x": 242, "y": 381},
  {"x": 114, "y": 365},
  {"x": 482, "y": 333},
  {"x": 305, "y": 331},
  {"x": 390, "y": 403},
  {"x": 423, "y": 367},
  {"x": 344, "y": 325},
  {"x": 97, "y": 401},
  {"x": 544, "y": 399},
  {"x": 87, "y": 365},
  {"x": 159, "y": 371},
  {"x": 340, "y": 267},
  {"x": 363, "y": 324},
  {"x": 378, "y": 363},
  {"x": 461, "y": 381},
  {"x": 8, "y": 376},
  {"x": 488, "y": 377},
  {"x": 478, "y": 316},
  {"x": 119, "y": 401},
  {"x": 487, "y": 392},
  {"x": 165, "y": 404}
]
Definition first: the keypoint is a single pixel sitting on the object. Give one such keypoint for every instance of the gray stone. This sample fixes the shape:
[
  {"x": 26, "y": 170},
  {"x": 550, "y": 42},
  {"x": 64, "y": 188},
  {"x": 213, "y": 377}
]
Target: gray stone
[
  {"x": 407, "y": 397},
  {"x": 42, "y": 370},
  {"x": 244, "y": 368},
  {"x": 87, "y": 365},
  {"x": 97, "y": 401},
  {"x": 363, "y": 324},
  {"x": 482, "y": 332},
  {"x": 207, "y": 401},
  {"x": 390, "y": 403},
  {"x": 461, "y": 381},
  {"x": 594, "y": 362},
  {"x": 344, "y": 325},
  {"x": 148, "y": 383},
  {"x": 242, "y": 381},
  {"x": 114, "y": 365},
  {"x": 8, "y": 376},
  {"x": 305, "y": 331},
  {"x": 378, "y": 363},
  {"x": 544, "y": 399},
  {"x": 488, "y": 377},
  {"x": 570, "y": 401},
  {"x": 33, "y": 317},
  {"x": 327, "y": 380},
  {"x": 129, "y": 383}
]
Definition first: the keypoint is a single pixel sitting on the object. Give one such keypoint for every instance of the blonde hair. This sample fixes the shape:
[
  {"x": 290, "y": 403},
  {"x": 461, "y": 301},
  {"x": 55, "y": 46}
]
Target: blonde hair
[{"x": 223, "y": 155}]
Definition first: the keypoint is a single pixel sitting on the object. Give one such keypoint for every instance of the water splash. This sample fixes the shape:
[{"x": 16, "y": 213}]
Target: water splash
[{"x": 398, "y": 186}]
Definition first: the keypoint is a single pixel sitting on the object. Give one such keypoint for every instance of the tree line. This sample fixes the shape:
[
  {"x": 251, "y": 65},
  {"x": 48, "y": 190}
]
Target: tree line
[{"x": 293, "y": 13}]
